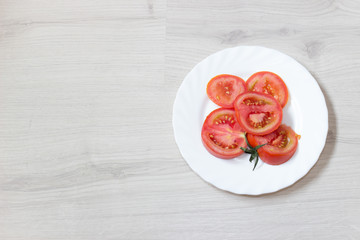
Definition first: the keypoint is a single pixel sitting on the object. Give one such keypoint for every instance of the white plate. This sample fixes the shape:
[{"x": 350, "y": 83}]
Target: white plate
[{"x": 305, "y": 112}]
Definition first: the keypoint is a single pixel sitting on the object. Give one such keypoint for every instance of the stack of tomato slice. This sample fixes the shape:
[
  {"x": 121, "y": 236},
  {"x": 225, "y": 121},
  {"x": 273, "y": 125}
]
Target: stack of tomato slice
[{"x": 252, "y": 110}]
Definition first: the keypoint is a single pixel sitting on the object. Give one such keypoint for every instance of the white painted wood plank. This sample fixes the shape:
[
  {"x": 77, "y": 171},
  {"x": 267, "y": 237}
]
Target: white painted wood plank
[{"x": 86, "y": 142}]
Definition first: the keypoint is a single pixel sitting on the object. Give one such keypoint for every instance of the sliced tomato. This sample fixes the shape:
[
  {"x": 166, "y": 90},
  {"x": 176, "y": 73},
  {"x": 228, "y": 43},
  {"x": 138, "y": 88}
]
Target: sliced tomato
[
  {"x": 222, "y": 136},
  {"x": 281, "y": 145},
  {"x": 269, "y": 83},
  {"x": 223, "y": 89},
  {"x": 258, "y": 113}
]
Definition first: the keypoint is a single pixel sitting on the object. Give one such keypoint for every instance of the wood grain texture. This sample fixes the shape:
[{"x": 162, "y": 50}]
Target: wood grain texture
[{"x": 86, "y": 142}]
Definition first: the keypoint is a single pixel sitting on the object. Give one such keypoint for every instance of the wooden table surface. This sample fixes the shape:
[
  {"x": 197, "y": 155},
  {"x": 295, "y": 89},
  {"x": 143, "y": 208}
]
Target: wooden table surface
[{"x": 86, "y": 141}]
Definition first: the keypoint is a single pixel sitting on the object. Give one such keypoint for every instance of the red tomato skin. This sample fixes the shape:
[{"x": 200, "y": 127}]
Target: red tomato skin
[
  {"x": 241, "y": 87},
  {"x": 216, "y": 154},
  {"x": 209, "y": 125},
  {"x": 279, "y": 80},
  {"x": 252, "y": 130},
  {"x": 274, "y": 158}
]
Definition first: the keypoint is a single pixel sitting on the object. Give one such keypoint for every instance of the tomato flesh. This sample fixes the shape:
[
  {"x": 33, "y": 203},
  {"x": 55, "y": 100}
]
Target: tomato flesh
[
  {"x": 222, "y": 136},
  {"x": 269, "y": 83},
  {"x": 223, "y": 89},
  {"x": 280, "y": 145},
  {"x": 258, "y": 113}
]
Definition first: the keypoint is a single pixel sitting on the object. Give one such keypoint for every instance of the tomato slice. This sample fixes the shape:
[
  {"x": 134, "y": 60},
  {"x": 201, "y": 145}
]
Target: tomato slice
[
  {"x": 281, "y": 145},
  {"x": 223, "y": 89},
  {"x": 269, "y": 83},
  {"x": 222, "y": 136},
  {"x": 258, "y": 113}
]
